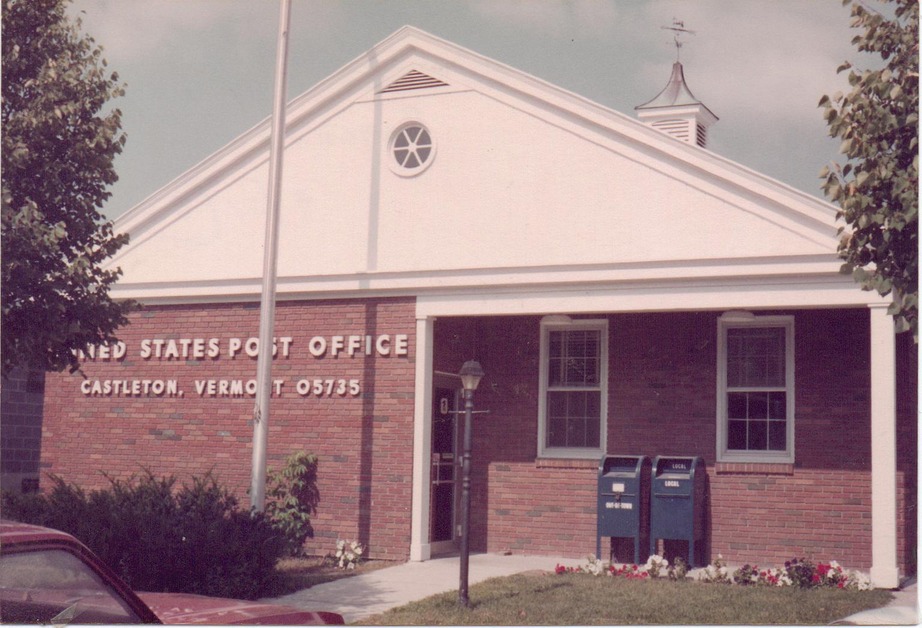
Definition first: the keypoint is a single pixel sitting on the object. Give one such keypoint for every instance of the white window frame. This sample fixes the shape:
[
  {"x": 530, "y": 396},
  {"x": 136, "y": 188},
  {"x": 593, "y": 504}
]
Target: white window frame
[
  {"x": 563, "y": 323},
  {"x": 395, "y": 166},
  {"x": 735, "y": 320}
]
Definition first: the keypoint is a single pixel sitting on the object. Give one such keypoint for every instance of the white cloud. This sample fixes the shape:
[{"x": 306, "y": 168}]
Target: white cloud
[{"x": 557, "y": 18}]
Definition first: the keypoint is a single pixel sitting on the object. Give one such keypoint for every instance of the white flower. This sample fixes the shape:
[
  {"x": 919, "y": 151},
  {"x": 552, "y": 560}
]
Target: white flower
[
  {"x": 656, "y": 564},
  {"x": 859, "y": 580},
  {"x": 594, "y": 566},
  {"x": 348, "y": 553}
]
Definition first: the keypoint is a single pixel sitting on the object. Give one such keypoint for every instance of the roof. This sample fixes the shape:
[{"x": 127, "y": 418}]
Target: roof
[
  {"x": 530, "y": 185},
  {"x": 675, "y": 94}
]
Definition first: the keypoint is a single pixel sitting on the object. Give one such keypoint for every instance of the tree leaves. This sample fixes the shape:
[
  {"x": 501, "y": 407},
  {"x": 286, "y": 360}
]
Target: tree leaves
[
  {"x": 877, "y": 187},
  {"x": 59, "y": 140}
]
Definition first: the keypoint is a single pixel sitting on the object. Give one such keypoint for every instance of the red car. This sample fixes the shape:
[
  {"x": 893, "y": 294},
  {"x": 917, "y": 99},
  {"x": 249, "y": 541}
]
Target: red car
[{"x": 49, "y": 577}]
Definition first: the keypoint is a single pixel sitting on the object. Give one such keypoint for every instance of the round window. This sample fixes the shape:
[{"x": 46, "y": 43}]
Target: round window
[{"x": 412, "y": 148}]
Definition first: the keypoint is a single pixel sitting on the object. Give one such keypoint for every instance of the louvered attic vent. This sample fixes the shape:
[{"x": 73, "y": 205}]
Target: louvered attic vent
[
  {"x": 414, "y": 79},
  {"x": 702, "y": 135},
  {"x": 676, "y": 128}
]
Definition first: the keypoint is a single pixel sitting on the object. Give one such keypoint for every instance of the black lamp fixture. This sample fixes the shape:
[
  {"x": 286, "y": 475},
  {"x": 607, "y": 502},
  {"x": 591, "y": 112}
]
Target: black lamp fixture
[{"x": 471, "y": 374}]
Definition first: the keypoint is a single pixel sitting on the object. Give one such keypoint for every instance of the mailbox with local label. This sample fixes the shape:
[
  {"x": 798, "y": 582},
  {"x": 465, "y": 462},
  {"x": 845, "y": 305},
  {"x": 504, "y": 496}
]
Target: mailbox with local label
[
  {"x": 678, "y": 507},
  {"x": 624, "y": 501}
]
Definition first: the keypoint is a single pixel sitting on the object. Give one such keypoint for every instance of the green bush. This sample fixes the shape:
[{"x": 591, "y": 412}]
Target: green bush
[
  {"x": 293, "y": 498},
  {"x": 159, "y": 537}
]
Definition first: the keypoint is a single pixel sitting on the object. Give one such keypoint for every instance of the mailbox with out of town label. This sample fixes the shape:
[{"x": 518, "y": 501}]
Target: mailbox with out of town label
[
  {"x": 678, "y": 503},
  {"x": 624, "y": 502}
]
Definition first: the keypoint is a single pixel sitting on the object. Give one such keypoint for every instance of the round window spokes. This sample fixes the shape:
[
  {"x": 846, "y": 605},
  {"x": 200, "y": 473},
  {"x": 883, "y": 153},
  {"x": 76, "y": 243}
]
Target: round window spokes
[{"x": 412, "y": 147}]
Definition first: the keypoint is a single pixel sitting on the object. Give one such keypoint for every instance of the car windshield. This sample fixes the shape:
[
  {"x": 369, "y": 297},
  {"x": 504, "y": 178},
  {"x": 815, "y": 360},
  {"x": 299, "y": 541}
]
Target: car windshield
[{"x": 53, "y": 586}]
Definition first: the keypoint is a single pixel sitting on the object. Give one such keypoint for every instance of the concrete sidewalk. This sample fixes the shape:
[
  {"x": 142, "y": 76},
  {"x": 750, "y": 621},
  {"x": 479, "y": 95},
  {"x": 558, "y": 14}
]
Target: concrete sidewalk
[
  {"x": 377, "y": 591},
  {"x": 902, "y": 611}
]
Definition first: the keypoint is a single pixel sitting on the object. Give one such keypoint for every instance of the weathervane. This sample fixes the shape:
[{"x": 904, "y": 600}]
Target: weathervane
[{"x": 678, "y": 28}]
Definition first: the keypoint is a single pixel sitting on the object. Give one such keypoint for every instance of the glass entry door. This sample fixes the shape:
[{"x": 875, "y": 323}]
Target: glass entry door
[{"x": 445, "y": 472}]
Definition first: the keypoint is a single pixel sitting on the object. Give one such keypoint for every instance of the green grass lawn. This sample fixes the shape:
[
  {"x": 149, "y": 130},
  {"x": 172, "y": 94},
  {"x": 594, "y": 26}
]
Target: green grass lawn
[{"x": 580, "y": 599}]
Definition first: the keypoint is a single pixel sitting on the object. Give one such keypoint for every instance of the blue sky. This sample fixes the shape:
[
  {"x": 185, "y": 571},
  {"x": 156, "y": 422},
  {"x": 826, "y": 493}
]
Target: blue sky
[{"x": 199, "y": 72}]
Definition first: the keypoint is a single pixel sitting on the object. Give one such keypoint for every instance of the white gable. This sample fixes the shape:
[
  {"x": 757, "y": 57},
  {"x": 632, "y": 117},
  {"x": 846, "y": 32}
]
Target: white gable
[{"x": 526, "y": 184}]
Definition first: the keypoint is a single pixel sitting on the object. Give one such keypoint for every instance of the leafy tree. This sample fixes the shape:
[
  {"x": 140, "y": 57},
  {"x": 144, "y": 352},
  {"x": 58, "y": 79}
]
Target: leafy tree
[
  {"x": 58, "y": 144},
  {"x": 877, "y": 187}
]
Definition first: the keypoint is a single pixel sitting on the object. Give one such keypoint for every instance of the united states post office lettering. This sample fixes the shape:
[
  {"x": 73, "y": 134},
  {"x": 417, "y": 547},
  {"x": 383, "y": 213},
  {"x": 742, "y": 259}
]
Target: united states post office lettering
[{"x": 353, "y": 345}]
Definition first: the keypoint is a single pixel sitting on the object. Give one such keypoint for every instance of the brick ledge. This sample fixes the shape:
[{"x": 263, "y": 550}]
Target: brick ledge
[
  {"x": 754, "y": 468},
  {"x": 566, "y": 463}
]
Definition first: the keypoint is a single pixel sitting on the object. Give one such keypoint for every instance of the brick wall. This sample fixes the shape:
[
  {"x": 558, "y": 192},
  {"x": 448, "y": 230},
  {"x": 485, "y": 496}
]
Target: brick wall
[
  {"x": 662, "y": 401},
  {"x": 362, "y": 441},
  {"x": 20, "y": 428}
]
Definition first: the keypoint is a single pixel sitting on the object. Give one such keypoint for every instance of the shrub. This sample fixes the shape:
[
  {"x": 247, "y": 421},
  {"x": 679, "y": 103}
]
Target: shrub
[
  {"x": 160, "y": 537},
  {"x": 747, "y": 574},
  {"x": 715, "y": 572},
  {"x": 656, "y": 566},
  {"x": 679, "y": 570},
  {"x": 348, "y": 554},
  {"x": 801, "y": 572},
  {"x": 293, "y": 498}
]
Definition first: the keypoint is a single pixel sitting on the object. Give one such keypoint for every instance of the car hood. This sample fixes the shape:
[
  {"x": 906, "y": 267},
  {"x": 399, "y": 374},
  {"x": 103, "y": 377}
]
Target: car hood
[{"x": 186, "y": 608}]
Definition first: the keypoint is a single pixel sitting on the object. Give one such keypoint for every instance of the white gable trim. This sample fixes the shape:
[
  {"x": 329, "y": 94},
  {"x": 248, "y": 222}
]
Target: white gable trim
[{"x": 808, "y": 283}]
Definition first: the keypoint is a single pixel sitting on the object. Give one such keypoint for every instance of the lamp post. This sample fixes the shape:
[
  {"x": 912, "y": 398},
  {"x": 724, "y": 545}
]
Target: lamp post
[{"x": 471, "y": 373}]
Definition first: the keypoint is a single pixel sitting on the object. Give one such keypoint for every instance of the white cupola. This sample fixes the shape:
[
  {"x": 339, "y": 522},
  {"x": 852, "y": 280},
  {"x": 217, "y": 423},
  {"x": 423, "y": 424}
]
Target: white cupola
[{"x": 676, "y": 112}]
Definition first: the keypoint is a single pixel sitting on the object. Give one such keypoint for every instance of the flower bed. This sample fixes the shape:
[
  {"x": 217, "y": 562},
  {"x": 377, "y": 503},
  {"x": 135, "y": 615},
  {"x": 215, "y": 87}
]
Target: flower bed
[{"x": 797, "y": 572}]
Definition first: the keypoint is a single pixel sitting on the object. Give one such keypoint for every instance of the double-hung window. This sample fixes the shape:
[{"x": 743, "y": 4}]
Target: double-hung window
[
  {"x": 755, "y": 388},
  {"x": 573, "y": 388}
]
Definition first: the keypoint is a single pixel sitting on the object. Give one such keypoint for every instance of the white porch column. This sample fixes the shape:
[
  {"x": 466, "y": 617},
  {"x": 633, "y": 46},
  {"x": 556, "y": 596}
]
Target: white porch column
[
  {"x": 884, "y": 570},
  {"x": 420, "y": 548}
]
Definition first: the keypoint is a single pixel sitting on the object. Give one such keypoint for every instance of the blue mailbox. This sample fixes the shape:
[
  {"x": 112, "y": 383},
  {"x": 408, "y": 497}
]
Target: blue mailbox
[
  {"x": 678, "y": 502},
  {"x": 624, "y": 501}
]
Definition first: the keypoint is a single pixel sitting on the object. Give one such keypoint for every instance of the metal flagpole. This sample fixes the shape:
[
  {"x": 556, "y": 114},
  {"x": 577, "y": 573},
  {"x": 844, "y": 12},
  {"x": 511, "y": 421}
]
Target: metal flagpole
[{"x": 270, "y": 262}]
